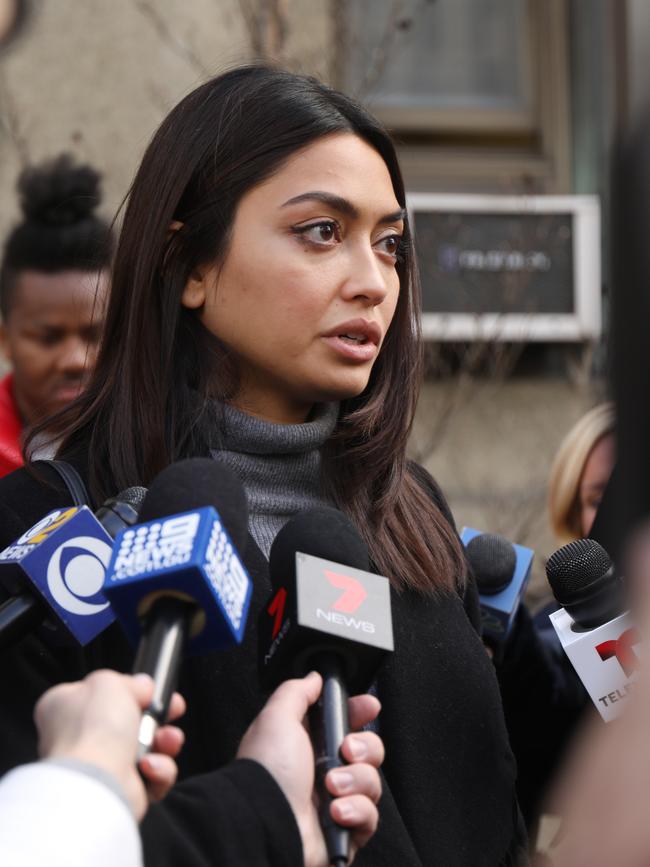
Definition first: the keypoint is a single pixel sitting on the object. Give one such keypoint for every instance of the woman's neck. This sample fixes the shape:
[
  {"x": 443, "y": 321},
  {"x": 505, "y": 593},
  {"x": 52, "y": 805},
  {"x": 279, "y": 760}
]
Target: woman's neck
[{"x": 270, "y": 405}]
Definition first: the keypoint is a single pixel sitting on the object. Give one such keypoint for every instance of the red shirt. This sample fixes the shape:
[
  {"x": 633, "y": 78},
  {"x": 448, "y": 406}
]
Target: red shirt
[{"x": 10, "y": 429}]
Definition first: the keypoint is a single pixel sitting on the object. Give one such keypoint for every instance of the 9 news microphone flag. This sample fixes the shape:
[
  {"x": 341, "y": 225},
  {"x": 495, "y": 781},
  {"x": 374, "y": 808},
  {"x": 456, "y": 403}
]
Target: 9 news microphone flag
[{"x": 175, "y": 581}]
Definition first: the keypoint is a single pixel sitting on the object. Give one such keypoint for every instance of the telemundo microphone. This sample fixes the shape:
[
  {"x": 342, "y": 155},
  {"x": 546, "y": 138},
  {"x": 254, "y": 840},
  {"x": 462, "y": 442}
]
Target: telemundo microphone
[
  {"x": 55, "y": 570},
  {"x": 175, "y": 581},
  {"x": 330, "y": 614},
  {"x": 594, "y": 627},
  {"x": 502, "y": 571}
]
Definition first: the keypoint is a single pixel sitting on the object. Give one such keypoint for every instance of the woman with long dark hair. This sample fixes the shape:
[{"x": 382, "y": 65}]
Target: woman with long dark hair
[{"x": 264, "y": 310}]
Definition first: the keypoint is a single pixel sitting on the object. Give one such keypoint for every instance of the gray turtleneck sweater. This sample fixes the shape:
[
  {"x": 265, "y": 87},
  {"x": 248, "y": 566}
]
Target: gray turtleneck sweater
[{"x": 278, "y": 464}]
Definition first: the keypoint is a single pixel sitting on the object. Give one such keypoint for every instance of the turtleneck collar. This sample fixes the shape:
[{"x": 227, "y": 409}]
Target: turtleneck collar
[
  {"x": 254, "y": 436},
  {"x": 278, "y": 464}
]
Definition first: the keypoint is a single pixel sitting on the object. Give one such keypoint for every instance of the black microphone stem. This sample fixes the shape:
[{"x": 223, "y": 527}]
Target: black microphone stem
[
  {"x": 159, "y": 654},
  {"x": 17, "y": 616},
  {"x": 329, "y": 724}
]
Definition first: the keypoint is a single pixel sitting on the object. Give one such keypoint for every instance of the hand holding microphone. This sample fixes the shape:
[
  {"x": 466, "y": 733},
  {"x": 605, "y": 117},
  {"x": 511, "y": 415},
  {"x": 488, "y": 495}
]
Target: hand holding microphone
[
  {"x": 96, "y": 721},
  {"x": 327, "y": 613},
  {"x": 278, "y": 740}
]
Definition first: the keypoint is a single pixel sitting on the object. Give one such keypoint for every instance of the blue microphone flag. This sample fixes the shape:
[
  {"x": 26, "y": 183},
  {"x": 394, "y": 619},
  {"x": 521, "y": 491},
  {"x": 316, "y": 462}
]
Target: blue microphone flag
[
  {"x": 498, "y": 610},
  {"x": 190, "y": 556},
  {"x": 64, "y": 558}
]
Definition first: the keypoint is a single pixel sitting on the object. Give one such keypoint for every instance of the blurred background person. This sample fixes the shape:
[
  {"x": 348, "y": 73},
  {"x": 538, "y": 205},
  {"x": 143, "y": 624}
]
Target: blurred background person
[
  {"x": 53, "y": 280},
  {"x": 580, "y": 472},
  {"x": 544, "y": 700}
]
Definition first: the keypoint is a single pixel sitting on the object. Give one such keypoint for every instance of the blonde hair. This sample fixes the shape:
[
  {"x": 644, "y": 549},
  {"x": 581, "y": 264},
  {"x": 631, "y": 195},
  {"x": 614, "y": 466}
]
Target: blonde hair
[{"x": 567, "y": 469}]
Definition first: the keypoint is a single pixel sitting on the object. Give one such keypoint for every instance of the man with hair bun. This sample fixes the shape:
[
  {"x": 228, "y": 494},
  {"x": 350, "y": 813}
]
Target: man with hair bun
[{"x": 53, "y": 282}]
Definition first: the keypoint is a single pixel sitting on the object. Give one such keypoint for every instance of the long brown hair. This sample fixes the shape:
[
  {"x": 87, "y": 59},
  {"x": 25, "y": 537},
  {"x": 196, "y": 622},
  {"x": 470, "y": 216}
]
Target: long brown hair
[{"x": 161, "y": 375}]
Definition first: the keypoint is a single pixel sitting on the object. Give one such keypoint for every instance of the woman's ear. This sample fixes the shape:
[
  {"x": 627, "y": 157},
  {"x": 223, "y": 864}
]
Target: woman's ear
[{"x": 194, "y": 293}]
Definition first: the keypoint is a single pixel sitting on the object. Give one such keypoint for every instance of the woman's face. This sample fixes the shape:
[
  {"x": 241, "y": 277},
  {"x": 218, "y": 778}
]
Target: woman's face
[
  {"x": 598, "y": 469},
  {"x": 308, "y": 287}
]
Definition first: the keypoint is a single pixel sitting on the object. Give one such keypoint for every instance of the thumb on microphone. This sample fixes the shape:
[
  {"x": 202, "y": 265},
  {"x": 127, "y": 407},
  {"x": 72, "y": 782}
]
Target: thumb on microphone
[{"x": 279, "y": 741}]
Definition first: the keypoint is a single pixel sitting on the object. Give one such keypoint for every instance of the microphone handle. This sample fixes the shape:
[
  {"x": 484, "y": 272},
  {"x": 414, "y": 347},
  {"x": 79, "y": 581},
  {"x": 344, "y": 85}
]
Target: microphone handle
[
  {"x": 17, "y": 616},
  {"x": 329, "y": 724},
  {"x": 159, "y": 654}
]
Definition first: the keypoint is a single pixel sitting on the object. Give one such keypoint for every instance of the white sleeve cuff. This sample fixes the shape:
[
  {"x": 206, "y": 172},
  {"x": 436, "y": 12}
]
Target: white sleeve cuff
[{"x": 63, "y": 817}]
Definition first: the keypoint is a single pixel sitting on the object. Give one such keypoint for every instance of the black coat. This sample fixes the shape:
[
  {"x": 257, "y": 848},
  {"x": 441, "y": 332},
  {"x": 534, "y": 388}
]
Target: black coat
[{"x": 449, "y": 787}]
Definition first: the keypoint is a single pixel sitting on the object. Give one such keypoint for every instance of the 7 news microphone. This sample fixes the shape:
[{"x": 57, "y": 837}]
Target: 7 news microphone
[
  {"x": 502, "y": 571},
  {"x": 175, "y": 581},
  {"x": 594, "y": 627},
  {"x": 330, "y": 614},
  {"x": 55, "y": 570}
]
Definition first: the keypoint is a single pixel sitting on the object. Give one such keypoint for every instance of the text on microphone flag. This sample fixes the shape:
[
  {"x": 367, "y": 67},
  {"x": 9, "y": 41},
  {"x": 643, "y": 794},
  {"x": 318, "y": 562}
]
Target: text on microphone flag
[{"x": 190, "y": 554}]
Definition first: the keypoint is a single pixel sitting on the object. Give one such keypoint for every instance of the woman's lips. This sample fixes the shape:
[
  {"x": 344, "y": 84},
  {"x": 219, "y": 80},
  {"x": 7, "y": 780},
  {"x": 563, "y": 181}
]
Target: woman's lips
[
  {"x": 356, "y": 339},
  {"x": 352, "y": 349}
]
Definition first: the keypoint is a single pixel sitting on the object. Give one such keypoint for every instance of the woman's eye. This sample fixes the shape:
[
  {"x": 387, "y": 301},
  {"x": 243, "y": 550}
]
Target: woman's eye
[
  {"x": 325, "y": 232},
  {"x": 391, "y": 244}
]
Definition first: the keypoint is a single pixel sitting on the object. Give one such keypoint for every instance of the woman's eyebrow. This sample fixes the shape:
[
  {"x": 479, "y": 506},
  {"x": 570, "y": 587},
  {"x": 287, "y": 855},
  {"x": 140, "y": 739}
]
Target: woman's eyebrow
[{"x": 343, "y": 206}]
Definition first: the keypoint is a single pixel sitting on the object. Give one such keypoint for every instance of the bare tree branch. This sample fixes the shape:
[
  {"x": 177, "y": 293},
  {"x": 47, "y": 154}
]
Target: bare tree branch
[
  {"x": 267, "y": 22},
  {"x": 10, "y": 121},
  {"x": 149, "y": 11}
]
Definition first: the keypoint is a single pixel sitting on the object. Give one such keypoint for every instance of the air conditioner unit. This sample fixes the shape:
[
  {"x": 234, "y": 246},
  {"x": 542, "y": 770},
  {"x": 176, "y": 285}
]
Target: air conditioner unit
[{"x": 510, "y": 268}]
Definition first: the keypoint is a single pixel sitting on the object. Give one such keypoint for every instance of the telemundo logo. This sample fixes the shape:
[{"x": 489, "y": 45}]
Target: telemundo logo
[{"x": 82, "y": 577}]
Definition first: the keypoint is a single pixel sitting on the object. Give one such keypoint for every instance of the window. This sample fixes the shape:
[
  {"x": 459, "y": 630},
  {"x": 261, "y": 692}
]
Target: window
[{"x": 476, "y": 91}]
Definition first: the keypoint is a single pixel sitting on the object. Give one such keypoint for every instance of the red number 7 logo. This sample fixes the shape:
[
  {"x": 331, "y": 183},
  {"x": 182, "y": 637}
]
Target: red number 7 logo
[{"x": 276, "y": 607}]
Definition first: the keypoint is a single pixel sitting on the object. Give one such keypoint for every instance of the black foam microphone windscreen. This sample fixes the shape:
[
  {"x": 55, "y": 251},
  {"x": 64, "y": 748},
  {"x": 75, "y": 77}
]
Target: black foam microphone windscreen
[
  {"x": 493, "y": 560},
  {"x": 194, "y": 483}
]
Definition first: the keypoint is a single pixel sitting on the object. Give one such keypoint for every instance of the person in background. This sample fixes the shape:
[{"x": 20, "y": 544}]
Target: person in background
[
  {"x": 580, "y": 472},
  {"x": 543, "y": 697},
  {"x": 85, "y": 796},
  {"x": 53, "y": 280}
]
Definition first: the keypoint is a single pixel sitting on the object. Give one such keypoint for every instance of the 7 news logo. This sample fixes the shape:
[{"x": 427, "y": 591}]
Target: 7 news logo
[
  {"x": 348, "y": 602},
  {"x": 353, "y": 596}
]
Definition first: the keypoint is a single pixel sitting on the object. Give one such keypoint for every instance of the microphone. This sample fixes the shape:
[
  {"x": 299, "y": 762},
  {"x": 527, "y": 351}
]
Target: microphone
[
  {"x": 594, "y": 627},
  {"x": 330, "y": 614},
  {"x": 57, "y": 568},
  {"x": 502, "y": 571},
  {"x": 175, "y": 581}
]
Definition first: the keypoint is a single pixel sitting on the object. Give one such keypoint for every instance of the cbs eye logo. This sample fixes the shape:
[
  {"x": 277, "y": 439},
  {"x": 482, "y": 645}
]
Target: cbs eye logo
[{"x": 75, "y": 575}]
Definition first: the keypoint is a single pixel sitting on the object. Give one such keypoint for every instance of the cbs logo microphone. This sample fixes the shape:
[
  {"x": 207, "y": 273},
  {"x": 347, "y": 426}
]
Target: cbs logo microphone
[{"x": 56, "y": 570}]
